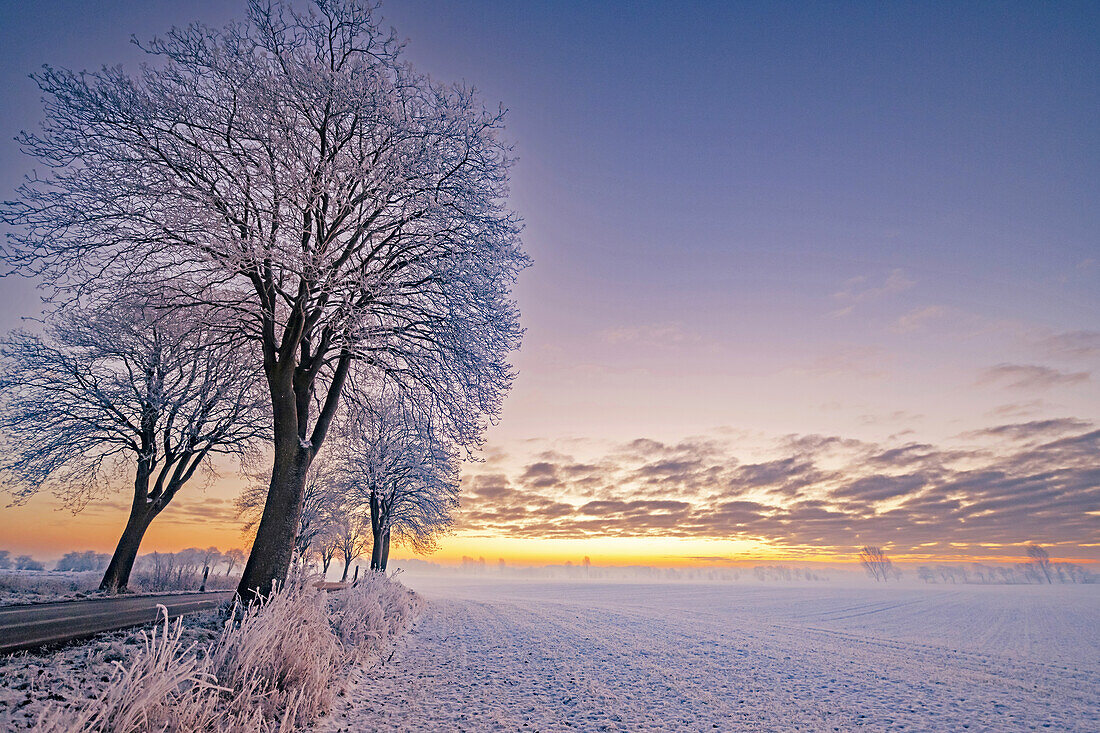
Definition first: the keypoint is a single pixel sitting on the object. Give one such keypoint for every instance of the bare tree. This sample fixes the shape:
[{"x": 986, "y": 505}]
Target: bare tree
[
  {"x": 343, "y": 211},
  {"x": 122, "y": 387},
  {"x": 320, "y": 505},
  {"x": 328, "y": 544},
  {"x": 391, "y": 457},
  {"x": 233, "y": 557},
  {"x": 26, "y": 562},
  {"x": 875, "y": 561},
  {"x": 352, "y": 532},
  {"x": 1040, "y": 558}
]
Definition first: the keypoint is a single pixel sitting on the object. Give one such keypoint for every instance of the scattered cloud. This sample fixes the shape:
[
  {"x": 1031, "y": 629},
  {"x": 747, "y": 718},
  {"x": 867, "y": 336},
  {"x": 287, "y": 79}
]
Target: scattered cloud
[
  {"x": 863, "y": 361},
  {"x": 857, "y": 290},
  {"x": 654, "y": 334},
  {"x": 1034, "y": 430},
  {"x": 919, "y": 318},
  {"x": 1037, "y": 481},
  {"x": 1017, "y": 409},
  {"x": 1071, "y": 344},
  {"x": 1030, "y": 376}
]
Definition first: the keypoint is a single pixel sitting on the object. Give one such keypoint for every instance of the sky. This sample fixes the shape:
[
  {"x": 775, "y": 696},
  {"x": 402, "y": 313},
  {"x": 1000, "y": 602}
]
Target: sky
[{"x": 806, "y": 276}]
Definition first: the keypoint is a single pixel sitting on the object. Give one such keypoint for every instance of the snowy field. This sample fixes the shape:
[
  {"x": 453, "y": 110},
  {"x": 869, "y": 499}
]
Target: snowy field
[{"x": 547, "y": 656}]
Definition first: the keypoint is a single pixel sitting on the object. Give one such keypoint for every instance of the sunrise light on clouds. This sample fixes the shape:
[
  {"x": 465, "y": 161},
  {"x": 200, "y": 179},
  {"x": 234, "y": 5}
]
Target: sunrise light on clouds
[{"x": 798, "y": 285}]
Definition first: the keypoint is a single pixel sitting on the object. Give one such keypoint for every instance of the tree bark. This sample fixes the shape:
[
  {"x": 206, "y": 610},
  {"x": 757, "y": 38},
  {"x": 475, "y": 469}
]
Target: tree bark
[
  {"x": 376, "y": 531},
  {"x": 269, "y": 560},
  {"x": 385, "y": 550},
  {"x": 376, "y": 550},
  {"x": 344, "y": 576},
  {"x": 291, "y": 386},
  {"x": 117, "y": 575}
]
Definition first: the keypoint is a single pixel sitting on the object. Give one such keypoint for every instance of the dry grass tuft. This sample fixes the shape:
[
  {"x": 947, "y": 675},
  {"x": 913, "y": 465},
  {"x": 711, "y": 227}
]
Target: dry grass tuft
[{"x": 276, "y": 665}]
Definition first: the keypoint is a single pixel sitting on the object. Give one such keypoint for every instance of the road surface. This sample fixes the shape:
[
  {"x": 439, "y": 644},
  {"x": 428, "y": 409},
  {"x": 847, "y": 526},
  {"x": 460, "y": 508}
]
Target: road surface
[{"x": 26, "y": 627}]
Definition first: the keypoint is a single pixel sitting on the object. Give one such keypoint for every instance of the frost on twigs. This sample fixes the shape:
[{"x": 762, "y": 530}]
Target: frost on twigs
[{"x": 276, "y": 665}]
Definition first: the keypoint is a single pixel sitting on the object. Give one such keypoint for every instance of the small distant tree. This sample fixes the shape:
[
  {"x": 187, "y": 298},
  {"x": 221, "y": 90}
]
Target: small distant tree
[
  {"x": 211, "y": 556},
  {"x": 1040, "y": 558},
  {"x": 392, "y": 459},
  {"x": 875, "y": 561},
  {"x": 26, "y": 562},
  {"x": 353, "y": 533},
  {"x": 233, "y": 557},
  {"x": 5, "y": 560},
  {"x": 81, "y": 562},
  {"x": 328, "y": 544}
]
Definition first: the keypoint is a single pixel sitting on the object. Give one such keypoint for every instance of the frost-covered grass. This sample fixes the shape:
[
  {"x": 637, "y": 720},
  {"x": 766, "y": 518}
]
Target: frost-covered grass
[
  {"x": 499, "y": 656},
  {"x": 40, "y": 586},
  {"x": 43, "y": 586},
  {"x": 276, "y": 667}
]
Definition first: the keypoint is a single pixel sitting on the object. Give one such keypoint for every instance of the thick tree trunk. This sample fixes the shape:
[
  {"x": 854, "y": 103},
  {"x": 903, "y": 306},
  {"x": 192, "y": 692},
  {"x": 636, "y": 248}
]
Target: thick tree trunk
[
  {"x": 272, "y": 550},
  {"x": 376, "y": 531},
  {"x": 344, "y": 576},
  {"x": 376, "y": 551},
  {"x": 385, "y": 550},
  {"x": 117, "y": 576},
  {"x": 122, "y": 562},
  {"x": 291, "y": 387}
]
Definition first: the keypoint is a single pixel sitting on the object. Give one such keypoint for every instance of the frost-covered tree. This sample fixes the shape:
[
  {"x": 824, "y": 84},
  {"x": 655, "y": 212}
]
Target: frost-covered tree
[
  {"x": 233, "y": 557},
  {"x": 26, "y": 562},
  {"x": 391, "y": 456},
  {"x": 343, "y": 211},
  {"x": 1040, "y": 559},
  {"x": 352, "y": 531},
  {"x": 321, "y": 505},
  {"x": 877, "y": 564},
  {"x": 116, "y": 389},
  {"x": 82, "y": 562}
]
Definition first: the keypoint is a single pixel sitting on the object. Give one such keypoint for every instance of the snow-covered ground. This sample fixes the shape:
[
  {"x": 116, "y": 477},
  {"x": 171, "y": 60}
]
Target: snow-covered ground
[{"x": 545, "y": 656}]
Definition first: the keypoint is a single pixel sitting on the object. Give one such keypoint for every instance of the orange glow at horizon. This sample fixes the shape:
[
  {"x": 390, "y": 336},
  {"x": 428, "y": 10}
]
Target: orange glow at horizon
[{"x": 45, "y": 532}]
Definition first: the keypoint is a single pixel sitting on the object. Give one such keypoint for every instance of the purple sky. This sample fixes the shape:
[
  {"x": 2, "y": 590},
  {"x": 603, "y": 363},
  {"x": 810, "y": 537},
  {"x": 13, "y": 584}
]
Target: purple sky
[{"x": 752, "y": 221}]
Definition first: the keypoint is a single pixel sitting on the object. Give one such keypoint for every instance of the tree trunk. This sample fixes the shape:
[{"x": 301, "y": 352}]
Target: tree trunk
[
  {"x": 269, "y": 560},
  {"x": 385, "y": 550},
  {"x": 344, "y": 576},
  {"x": 117, "y": 576},
  {"x": 376, "y": 531},
  {"x": 376, "y": 550}
]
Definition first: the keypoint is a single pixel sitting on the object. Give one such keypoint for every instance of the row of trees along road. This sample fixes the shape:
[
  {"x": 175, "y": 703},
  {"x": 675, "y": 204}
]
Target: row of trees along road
[
  {"x": 382, "y": 474},
  {"x": 309, "y": 211}
]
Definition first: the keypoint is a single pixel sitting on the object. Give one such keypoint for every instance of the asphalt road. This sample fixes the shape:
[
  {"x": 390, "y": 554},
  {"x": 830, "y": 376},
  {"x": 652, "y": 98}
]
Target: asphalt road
[{"x": 26, "y": 627}]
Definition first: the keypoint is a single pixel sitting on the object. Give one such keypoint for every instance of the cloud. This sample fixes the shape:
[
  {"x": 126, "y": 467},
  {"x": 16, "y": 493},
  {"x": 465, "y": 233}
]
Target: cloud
[
  {"x": 1071, "y": 344},
  {"x": 856, "y": 291},
  {"x": 864, "y": 361},
  {"x": 653, "y": 334},
  {"x": 1030, "y": 376},
  {"x": 920, "y": 318},
  {"x": 1034, "y": 430},
  {"x": 1039, "y": 481},
  {"x": 1017, "y": 409}
]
